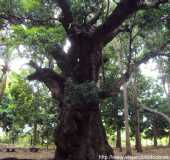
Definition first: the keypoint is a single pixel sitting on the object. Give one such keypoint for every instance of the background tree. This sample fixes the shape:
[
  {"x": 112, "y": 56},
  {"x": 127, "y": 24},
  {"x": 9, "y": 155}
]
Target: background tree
[{"x": 164, "y": 68}]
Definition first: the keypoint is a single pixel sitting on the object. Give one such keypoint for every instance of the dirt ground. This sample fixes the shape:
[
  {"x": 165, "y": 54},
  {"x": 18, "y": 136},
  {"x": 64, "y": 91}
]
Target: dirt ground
[
  {"x": 149, "y": 153},
  {"x": 26, "y": 154}
]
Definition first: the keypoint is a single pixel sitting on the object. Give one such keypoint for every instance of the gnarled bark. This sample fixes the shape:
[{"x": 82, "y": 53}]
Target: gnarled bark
[{"x": 80, "y": 134}]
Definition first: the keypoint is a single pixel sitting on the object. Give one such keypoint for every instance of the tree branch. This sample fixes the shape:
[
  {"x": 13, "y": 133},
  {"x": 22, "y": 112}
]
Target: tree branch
[
  {"x": 34, "y": 65},
  {"x": 111, "y": 36},
  {"x": 66, "y": 18},
  {"x": 95, "y": 18},
  {"x": 108, "y": 8},
  {"x": 123, "y": 10},
  {"x": 13, "y": 19},
  {"x": 163, "y": 115},
  {"x": 121, "y": 13},
  {"x": 143, "y": 107},
  {"x": 57, "y": 52},
  {"x": 154, "y": 3},
  {"x": 149, "y": 56},
  {"x": 146, "y": 57},
  {"x": 51, "y": 79},
  {"x": 115, "y": 88}
]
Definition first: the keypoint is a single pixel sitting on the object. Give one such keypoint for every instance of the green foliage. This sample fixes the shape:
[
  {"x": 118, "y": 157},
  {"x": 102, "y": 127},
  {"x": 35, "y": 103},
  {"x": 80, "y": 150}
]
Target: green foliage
[
  {"x": 30, "y": 5},
  {"x": 37, "y": 9},
  {"x": 81, "y": 10},
  {"x": 9, "y": 6},
  {"x": 38, "y": 35},
  {"x": 112, "y": 114},
  {"x": 24, "y": 105},
  {"x": 22, "y": 96},
  {"x": 7, "y": 113}
]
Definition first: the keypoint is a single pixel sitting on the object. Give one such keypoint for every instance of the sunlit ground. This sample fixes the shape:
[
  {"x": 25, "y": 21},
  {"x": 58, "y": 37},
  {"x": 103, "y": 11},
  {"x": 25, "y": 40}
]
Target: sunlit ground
[
  {"x": 25, "y": 154},
  {"x": 163, "y": 152}
]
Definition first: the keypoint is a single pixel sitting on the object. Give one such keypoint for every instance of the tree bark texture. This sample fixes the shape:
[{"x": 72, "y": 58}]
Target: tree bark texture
[
  {"x": 138, "y": 144},
  {"x": 80, "y": 134},
  {"x": 118, "y": 139},
  {"x": 34, "y": 133},
  {"x": 136, "y": 115},
  {"x": 155, "y": 134},
  {"x": 125, "y": 98}
]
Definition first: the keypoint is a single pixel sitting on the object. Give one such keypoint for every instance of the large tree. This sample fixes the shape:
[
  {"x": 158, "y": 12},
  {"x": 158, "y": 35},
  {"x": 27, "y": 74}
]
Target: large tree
[{"x": 80, "y": 134}]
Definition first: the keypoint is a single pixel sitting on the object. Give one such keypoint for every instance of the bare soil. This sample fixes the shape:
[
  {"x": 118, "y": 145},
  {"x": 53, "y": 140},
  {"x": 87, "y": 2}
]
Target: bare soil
[{"x": 43, "y": 154}]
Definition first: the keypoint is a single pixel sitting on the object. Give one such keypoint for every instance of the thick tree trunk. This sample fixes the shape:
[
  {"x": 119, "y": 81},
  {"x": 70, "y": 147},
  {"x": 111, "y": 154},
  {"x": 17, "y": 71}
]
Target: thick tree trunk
[{"x": 81, "y": 135}]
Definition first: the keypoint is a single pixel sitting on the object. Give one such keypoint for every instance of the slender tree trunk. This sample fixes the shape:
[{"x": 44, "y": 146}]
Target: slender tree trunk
[
  {"x": 116, "y": 124},
  {"x": 169, "y": 136},
  {"x": 34, "y": 133},
  {"x": 13, "y": 140},
  {"x": 3, "y": 85},
  {"x": 138, "y": 144},
  {"x": 126, "y": 115},
  {"x": 118, "y": 139},
  {"x": 155, "y": 134},
  {"x": 168, "y": 97},
  {"x": 126, "y": 112},
  {"x": 42, "y": 140},
  {"x": 47, "y": 144},
  {"x": 155, "y": 141},
  {"x": 136, "y": 115},
  {"x": 31, "y": 140},
  {"x": 47, "y": 136},
  {"x": 166, "y": 81}
]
